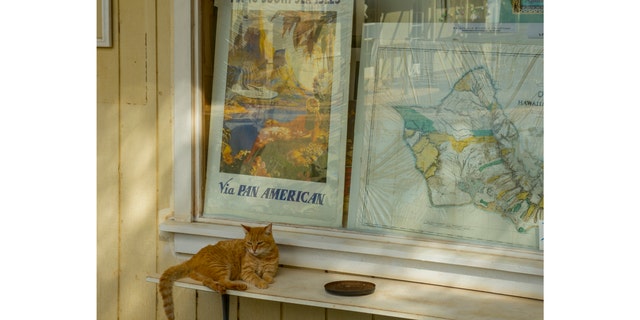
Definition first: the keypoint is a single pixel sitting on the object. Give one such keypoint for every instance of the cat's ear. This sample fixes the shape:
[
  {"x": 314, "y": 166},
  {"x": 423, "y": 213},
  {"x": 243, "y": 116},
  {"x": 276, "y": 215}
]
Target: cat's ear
[
  {"x": 267, "y": 229},
  {"x": 246, "y": 229}
]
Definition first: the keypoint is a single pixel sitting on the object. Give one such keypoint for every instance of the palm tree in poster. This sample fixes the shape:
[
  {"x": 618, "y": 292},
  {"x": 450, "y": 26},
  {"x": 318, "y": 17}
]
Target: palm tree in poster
[
  {"x": 306, "y": 28},
  {"x": 312, "y": 32}
]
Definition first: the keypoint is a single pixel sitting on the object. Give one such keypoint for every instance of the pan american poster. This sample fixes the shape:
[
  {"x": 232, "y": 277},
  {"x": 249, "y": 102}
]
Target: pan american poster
[{"x": 279, "y": 109}]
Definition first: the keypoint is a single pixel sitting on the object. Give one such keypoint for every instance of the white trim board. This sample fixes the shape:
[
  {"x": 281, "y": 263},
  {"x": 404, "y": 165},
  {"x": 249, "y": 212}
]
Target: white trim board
[
  {"x": 498, "y": 270},
  {"x": 391, "y": 297}
]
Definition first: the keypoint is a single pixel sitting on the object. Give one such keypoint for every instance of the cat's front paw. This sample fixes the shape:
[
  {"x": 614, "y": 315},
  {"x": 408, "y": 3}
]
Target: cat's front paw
[
  {"x": 240, "y": 286},
  {"x": 215, "y": 286},
  {"x": 262, "y": 284},
  {"x": 268, "y": 279}
]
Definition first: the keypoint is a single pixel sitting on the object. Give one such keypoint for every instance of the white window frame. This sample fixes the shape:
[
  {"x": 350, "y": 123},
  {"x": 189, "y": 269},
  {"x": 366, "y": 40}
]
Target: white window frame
[{"x": 517, "y": 272}]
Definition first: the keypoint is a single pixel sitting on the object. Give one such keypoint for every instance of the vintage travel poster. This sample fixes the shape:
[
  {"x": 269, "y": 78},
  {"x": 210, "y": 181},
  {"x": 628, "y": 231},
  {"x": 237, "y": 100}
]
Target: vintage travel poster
[{"x": 279, "y": 108}]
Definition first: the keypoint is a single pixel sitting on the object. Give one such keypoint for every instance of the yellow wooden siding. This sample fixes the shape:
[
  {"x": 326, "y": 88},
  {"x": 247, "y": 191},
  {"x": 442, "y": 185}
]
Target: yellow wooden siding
[
  {"x": 134, "y": 178},
  {"x": 107, "y": 188},
  {"x": 293, "y": 311}
]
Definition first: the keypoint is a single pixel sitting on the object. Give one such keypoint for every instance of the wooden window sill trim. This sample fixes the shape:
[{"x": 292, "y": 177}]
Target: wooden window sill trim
[{"x": 394, "y": 298}]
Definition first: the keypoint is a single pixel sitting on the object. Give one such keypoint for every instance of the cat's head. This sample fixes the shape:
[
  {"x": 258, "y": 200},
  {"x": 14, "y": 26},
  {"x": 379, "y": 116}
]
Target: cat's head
[{"x": 258, "y": 240}]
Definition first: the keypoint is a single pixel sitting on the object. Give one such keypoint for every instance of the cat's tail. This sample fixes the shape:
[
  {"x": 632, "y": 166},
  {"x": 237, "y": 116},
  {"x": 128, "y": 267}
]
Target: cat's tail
[{"x": 166, "y": 286}]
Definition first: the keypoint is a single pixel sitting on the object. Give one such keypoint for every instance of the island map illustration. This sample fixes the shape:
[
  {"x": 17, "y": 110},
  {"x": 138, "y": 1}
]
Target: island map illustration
[{"x": 467, "y": 163}]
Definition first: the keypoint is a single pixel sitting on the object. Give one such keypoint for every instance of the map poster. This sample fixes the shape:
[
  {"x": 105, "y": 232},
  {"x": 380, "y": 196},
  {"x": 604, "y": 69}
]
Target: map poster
[
  {"x": 450, "y": 143},
  {"x": 279, "y": 112}
]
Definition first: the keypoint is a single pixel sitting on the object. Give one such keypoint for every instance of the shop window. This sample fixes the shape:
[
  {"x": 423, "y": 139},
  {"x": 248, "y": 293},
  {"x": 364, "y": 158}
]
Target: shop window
[
  {"x": 419, "y": 121},
  {"x": 465, "y": 172}
]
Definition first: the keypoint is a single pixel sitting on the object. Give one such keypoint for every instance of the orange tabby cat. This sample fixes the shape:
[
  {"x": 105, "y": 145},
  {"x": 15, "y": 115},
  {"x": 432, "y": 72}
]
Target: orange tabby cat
[{"x": 253, "y": 259}]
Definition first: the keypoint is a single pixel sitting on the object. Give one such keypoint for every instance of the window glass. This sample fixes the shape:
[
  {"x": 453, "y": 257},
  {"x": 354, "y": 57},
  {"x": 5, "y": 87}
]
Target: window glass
[
  {"x": 442, "y": 136},
  {"x": 449, "y": 123}
]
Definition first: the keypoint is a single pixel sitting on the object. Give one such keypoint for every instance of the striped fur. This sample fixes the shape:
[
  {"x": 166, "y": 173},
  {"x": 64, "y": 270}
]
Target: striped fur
[{"x": 253, "y": 259}]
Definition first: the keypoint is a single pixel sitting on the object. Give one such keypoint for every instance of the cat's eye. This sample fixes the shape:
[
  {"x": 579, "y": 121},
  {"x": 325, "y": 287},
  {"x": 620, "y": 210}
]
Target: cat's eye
[{"x": 252, "y": 243}]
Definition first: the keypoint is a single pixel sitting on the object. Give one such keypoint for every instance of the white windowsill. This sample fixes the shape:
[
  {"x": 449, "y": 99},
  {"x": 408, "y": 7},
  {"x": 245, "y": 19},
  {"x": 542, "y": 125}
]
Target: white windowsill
[
  {"x": 498, "y": 270},
  {"x": 392, "y": 298}
]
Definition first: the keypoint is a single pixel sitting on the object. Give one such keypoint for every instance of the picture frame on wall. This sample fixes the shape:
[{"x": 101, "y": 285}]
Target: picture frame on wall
[
  {"x": 103, "y": 29},
  {"x": 279, "y": 112}
]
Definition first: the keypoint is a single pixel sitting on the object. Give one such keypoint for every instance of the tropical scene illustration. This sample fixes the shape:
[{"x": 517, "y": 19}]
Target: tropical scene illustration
[{"x": 278, "y": 94}]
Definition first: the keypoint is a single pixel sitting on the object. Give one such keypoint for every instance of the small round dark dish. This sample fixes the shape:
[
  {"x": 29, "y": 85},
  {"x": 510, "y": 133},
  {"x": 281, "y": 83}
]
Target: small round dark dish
[{"x": 350, "y": 288}]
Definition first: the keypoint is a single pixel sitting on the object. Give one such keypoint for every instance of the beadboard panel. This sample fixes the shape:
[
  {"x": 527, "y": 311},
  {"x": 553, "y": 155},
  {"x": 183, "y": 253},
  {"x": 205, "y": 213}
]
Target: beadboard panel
[
  {"x": 107, "y": 176},
  {"x": 253, "y": 309},
  {"x": 295, "y": 311},
  {"x": 349, "y": 315}
]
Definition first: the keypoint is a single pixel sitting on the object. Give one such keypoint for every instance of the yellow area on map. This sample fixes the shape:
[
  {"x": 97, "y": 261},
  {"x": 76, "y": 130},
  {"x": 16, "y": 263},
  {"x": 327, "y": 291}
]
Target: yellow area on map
[
  {"x": 458, "y": 146},
  {"x": 426, "y": 151}
]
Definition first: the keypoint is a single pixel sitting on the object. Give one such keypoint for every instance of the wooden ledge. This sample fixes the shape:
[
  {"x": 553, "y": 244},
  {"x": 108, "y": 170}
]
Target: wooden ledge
[{"x": 392, "y": 298}]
